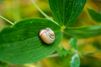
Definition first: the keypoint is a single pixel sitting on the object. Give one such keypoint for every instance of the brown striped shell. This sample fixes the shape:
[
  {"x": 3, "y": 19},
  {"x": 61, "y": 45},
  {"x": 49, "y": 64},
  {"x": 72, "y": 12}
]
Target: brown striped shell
[{"x": 47, "y": 35}]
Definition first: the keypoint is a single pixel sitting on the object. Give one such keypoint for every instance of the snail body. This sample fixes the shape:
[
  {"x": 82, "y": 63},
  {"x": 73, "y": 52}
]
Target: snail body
[{"x": 47, "y": 35}]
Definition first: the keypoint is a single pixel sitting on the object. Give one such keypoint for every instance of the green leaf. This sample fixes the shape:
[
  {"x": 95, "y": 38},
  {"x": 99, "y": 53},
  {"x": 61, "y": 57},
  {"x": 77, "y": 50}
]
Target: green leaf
[
  {"x": 62, "y": 52},
  {"x": 75, "y": 62},
  {"x": 96, "y": 16},
  {"x": 66, "y": 11},
  {"x": 83, "y": 32},
  {"x": 73, "y": 43},
  {"x": 21, "y": 44}
]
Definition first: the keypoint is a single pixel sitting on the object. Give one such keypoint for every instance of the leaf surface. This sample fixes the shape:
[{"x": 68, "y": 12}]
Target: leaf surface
[
  {"x": 21, "y": 44},
  {"x": 84, "y": 32},
  {"x": 73, "y": 43},
  {"x": 96, "y": 16},
  {"x": 75, "y": 62},
  {"x": 66, "y": 11}
]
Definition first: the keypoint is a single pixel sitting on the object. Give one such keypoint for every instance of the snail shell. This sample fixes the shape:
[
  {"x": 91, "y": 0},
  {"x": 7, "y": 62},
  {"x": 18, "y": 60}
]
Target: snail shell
[{"x": 47, "y": 35}]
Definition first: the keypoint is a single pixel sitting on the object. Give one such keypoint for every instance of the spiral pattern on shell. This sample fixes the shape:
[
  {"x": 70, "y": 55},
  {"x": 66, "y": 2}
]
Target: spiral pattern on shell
[{"x": 47, "y": 35}]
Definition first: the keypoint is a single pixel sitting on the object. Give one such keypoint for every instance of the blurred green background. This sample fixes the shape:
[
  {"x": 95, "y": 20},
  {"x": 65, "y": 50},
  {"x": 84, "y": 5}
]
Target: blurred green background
[{"x": 89, "y": 48}]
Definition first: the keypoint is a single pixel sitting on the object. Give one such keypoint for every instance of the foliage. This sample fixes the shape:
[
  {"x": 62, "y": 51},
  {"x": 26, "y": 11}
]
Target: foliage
[
  {"x": 66, "y": 11},
  {"x": 95, "y": 15},
  {"x": 20, "y": 43}
]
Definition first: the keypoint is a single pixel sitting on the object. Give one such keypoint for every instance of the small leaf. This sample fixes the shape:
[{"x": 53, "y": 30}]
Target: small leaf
[
  {"x": 62, "y": 52},
  {"x": 73, "y": 43},
  {"x": 75, "y": 62},
  {"x": 83, "y": 32},
  {"x": 21, "y": 44},
  {"x": 96, "y": 16},
  {"x": 66, "y": 11}
]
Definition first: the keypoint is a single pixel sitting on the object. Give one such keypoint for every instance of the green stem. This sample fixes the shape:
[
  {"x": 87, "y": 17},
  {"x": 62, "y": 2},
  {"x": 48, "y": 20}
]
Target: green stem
[
  {"x": 44, "y": 14},
  {"x": 36, "y": 6},
  {"x": 6, "y": 20}
]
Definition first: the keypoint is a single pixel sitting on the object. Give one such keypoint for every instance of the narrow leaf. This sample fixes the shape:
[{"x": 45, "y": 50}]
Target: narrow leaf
[
  {"x": 66, "y": 11},
  {"x": 73, "y": 43},
  {"x": 83, "y": 32},
  {"x": 75, "y": 62},
  {"x": 21, "y": 44},
  {"x": 96, "y": 16}
]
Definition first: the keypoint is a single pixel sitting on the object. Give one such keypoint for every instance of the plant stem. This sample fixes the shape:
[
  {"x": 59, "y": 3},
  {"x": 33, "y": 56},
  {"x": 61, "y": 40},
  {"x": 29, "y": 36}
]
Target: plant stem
[
  {"x": 6, "y": 20},
  {"x": 44, "y": 14},
  {"x": 36, "y": 6}
]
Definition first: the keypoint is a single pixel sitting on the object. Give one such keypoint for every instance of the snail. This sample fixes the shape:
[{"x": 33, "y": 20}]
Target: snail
[{"x": 47, "y": 35}]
